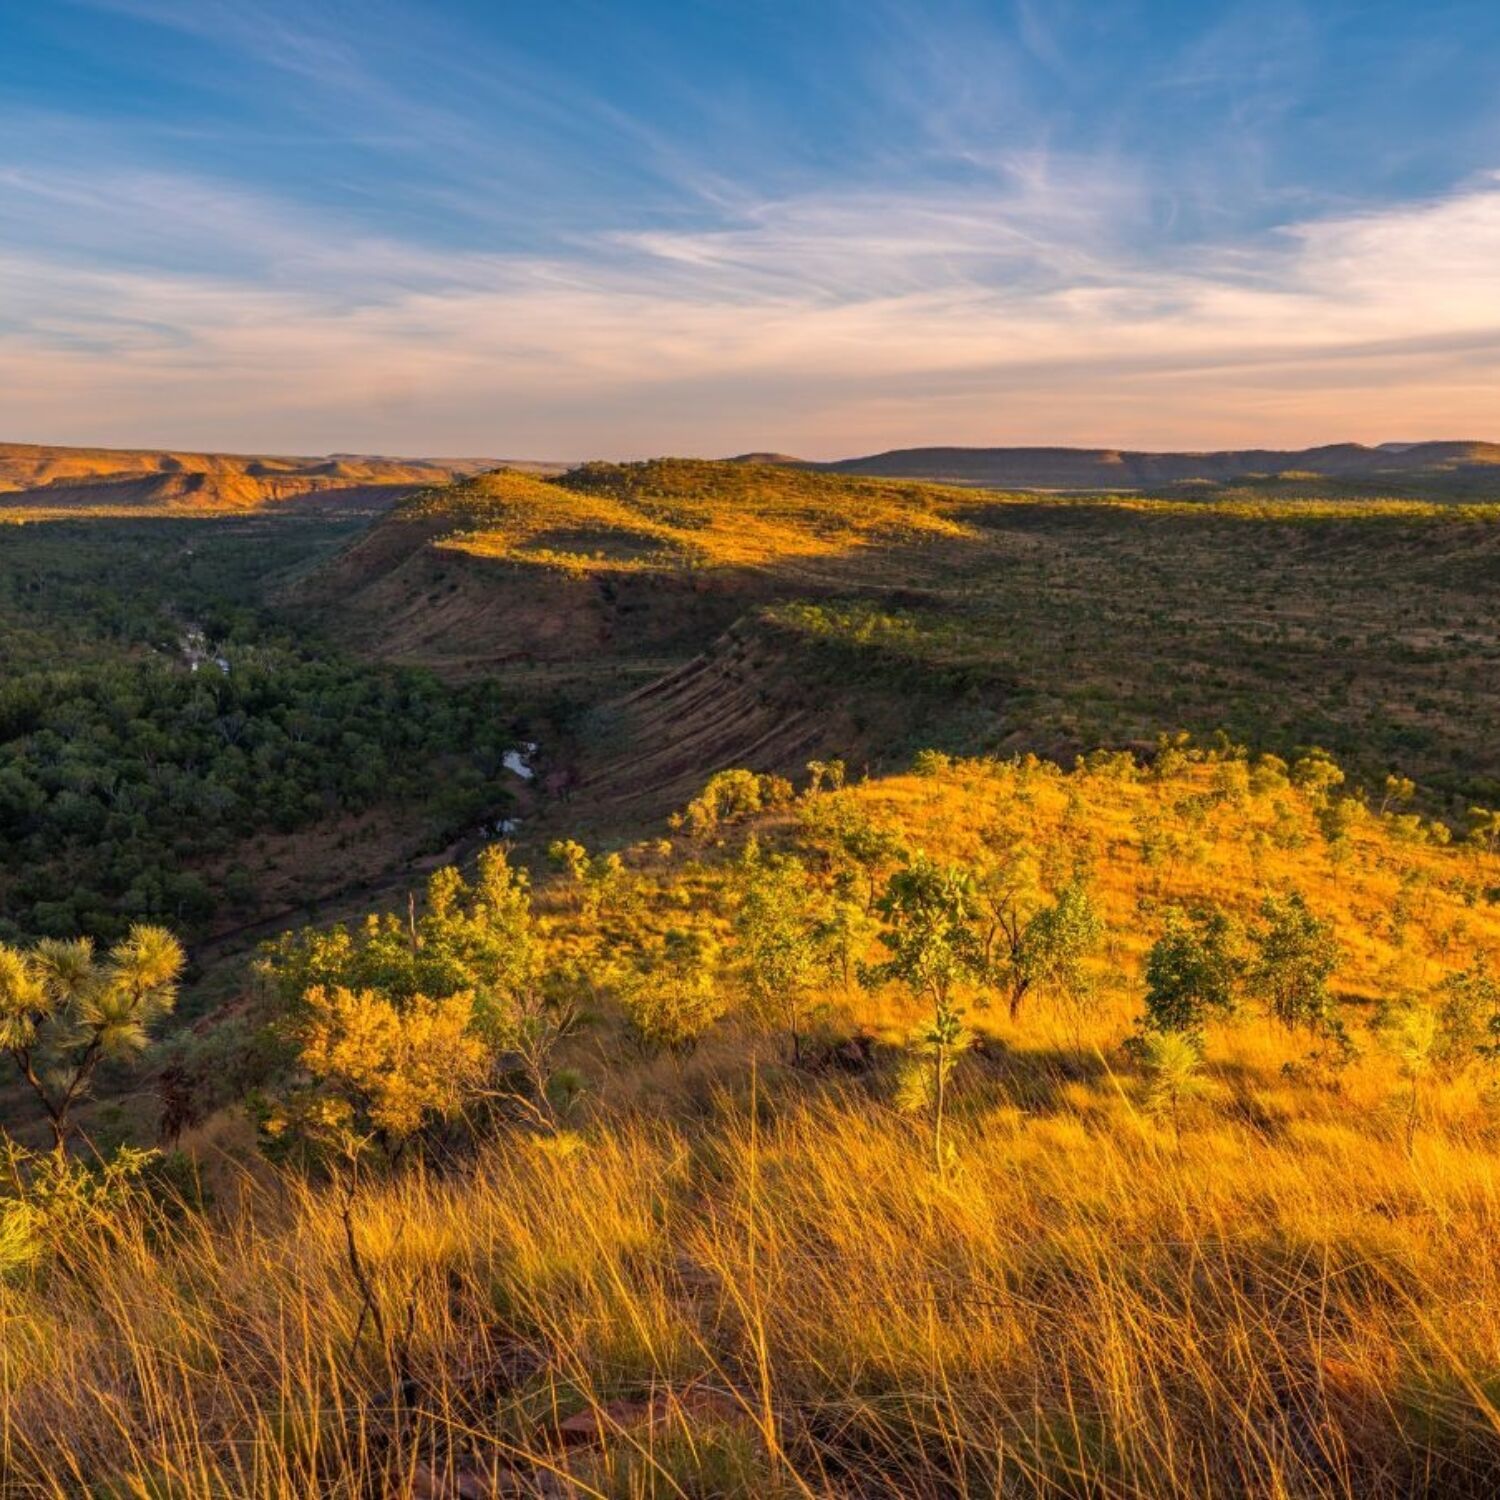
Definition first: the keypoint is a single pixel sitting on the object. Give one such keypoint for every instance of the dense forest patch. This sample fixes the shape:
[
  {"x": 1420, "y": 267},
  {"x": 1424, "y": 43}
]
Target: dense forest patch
[{"x": 153, "y": 715}]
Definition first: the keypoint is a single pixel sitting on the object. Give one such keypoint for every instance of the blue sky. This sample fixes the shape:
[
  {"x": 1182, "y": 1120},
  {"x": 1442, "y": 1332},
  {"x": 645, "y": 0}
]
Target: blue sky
[{"x": 700, "y": 227}]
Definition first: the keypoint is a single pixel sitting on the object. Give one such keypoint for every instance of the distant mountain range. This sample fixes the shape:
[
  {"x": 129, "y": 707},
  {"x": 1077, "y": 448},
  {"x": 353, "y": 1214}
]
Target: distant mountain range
[
  {"x": 47, "y": 477},
  {"x": 1115, "y": 468}
]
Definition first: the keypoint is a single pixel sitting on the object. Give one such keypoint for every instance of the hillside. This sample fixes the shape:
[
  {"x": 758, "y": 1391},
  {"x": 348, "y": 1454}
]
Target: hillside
[
  {"x": 672, "y": 1260},
  {"x": 593, "y": 586},
  {"x": 676, "y": 616},
  {"x": 1467, "y": 463}
]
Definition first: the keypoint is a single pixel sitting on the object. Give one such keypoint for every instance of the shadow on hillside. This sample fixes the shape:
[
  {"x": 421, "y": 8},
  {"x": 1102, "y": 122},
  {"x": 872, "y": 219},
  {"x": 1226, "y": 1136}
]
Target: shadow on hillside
[
  {"x": 1034, "y": 1079},
  {"x": 1242, "y": 1102},
  {"x": 1044, "y": 1081}
]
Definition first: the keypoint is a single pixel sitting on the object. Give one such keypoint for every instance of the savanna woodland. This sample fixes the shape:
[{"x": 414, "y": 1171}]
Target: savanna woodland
[{"x": 729, "y": 980}]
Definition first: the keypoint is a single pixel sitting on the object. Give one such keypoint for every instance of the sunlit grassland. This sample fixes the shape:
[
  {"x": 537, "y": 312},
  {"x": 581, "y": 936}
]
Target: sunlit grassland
[
  {"x": 671, "y": 515},
  {"x": 1407, "y": 906},
  {"x": 1405, "y": 909},
  {"x": 1278, "y": 1303},
  {"x": 754, "y": 1280}
]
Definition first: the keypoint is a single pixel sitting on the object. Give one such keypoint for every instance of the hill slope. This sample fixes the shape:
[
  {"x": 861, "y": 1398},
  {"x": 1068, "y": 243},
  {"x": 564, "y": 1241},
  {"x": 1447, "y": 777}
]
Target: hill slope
[
  {"x": 724, "y": 605},
  {"x": 719, "y": 1273},
  {"x": 609, "y": 564}
]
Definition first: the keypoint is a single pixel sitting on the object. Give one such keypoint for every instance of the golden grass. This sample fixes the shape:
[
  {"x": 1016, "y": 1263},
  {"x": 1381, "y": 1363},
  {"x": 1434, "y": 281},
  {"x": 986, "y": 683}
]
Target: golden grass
[
  {"x": 739, "y": 1281},
  {"x": 1406, "y": 910},
  {"x": 1279, "y": 1304}
]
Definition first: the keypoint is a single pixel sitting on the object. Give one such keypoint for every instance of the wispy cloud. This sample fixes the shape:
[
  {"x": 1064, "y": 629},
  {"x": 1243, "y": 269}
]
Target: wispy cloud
[
  {"x": 825, "y": 324},
  {"x": 881, "y": 224}
]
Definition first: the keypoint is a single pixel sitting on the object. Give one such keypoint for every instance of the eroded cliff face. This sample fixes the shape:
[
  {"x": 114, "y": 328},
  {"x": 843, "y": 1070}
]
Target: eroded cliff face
[{"x": 45, "y": 477}]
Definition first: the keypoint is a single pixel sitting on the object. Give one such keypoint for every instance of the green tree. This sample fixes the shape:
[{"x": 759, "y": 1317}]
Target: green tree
[
  {"x": 1009, "y": 890},
  {"x": 1192, "y": 972},
  {"x": 380, "y": 1070},
  {"x": 844, "y": 935},
  {"x": 932, "y": 914},
  {"x": 1467, "y": 1006},
  {"x": 64, "y": 1010},
  {"x": 570, "y": 856},
  {"x": 1484, "y": 827},
  {"x": 1056, "y": 945},
  {"x": 1396, "y": 789},
  {"x": 859, "y": 851},
  {"x": 1317, "y": 774},
  {"x": 782, "y": 943},
  {"x": 673, "y": 993},
  {"x": 730, "y": 796},
  {"x": 1295, "y": 954},
  {"x": 477, "y": 938},
  {"x": 1410, "y": 1031},
  {"x": 50, "y": 1203},
  {"x": 599, "y": 880},
  {"x": 824, "y": 773},
  {"x": 1171, "y": 1061}
]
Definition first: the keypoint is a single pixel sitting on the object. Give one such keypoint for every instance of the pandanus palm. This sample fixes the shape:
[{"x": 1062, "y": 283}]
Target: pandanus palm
[{"x": 63, "y": 1009}]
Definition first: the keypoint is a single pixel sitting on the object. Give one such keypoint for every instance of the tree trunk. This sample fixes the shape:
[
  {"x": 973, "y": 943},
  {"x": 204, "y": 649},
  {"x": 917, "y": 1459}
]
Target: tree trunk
[
  {"x": 1017, "y": 995},
  {"x": 939, "y": 1102}
]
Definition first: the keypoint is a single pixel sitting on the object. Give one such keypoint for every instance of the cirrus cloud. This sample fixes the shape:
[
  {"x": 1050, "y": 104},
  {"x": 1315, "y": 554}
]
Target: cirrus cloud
[{"x": 1018, "y": 308}]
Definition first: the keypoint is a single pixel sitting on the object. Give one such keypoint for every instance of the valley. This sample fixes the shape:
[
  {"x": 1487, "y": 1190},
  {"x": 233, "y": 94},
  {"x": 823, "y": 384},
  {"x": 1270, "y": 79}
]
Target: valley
[
  {"x": 1105, "y": 882},
  {"x": 173, "y": 748}
]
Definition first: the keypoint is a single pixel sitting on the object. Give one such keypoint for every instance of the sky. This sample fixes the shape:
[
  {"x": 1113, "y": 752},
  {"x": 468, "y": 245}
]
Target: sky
[{"x": 621, "y": 228}]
